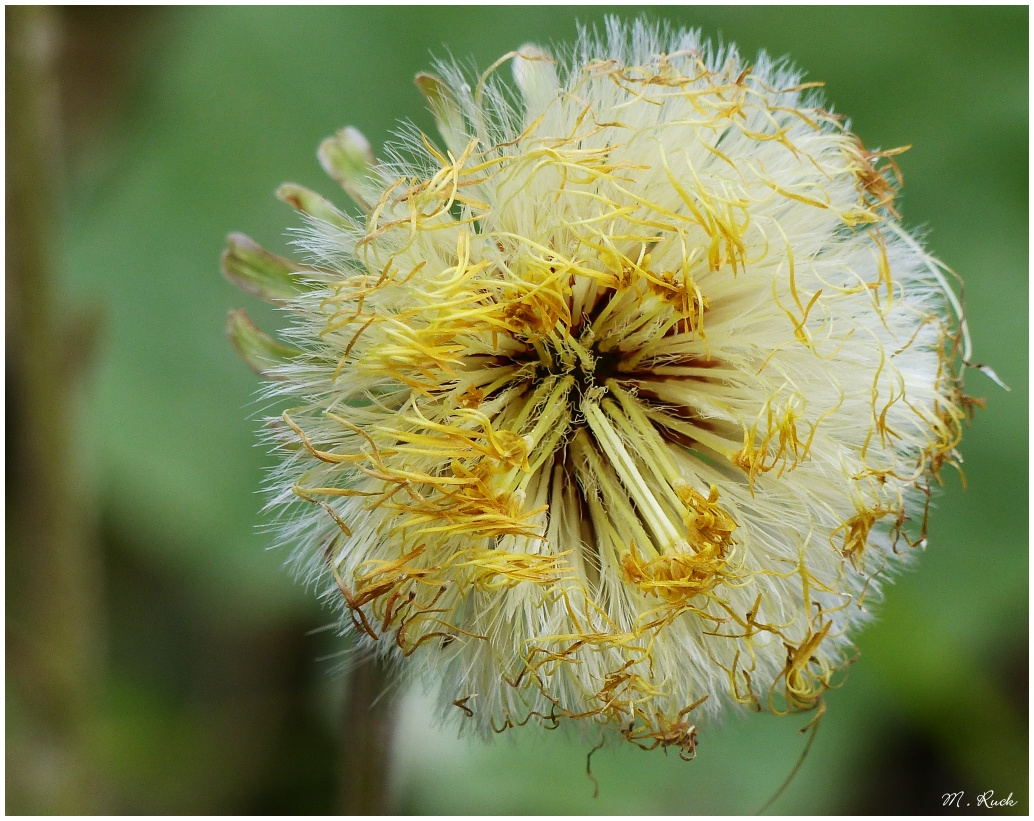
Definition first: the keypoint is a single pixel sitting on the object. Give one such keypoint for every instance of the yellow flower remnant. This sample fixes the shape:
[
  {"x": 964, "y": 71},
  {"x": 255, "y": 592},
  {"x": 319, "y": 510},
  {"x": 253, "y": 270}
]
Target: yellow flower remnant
[
  {"x": 619, "y": 397},
  {"x": 678, "y": 577}
]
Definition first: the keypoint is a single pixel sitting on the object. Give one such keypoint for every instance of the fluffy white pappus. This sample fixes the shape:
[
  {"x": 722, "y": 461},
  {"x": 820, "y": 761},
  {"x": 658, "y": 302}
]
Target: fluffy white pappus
[{"x": 619, "y": 401}]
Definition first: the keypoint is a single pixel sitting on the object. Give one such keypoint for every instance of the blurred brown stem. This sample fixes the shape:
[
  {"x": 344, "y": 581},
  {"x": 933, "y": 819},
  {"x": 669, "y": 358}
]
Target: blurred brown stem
[
  {"x": 53, "y": 574},
  {"x": 368, "y": 726}
]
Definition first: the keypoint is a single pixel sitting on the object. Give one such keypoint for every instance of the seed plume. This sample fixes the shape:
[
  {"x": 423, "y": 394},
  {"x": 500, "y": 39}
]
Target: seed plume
[{"x": 622, "y": 395}]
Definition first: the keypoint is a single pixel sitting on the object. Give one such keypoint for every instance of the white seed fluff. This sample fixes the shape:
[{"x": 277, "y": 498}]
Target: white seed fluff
[{"x": 622, "y": 398}]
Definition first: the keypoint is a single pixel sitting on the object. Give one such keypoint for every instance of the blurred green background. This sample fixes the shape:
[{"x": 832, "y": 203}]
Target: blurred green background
[{"x": 208, "y": 689}]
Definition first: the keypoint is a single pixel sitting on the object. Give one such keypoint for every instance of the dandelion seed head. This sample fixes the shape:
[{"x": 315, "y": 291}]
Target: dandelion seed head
[{"x": 621, "y": 399}]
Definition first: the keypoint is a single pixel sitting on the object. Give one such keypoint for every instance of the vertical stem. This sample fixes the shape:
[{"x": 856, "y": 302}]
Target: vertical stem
[
  {"x": 53, "y": 573},
  {"x": 368, "y": 726}
]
